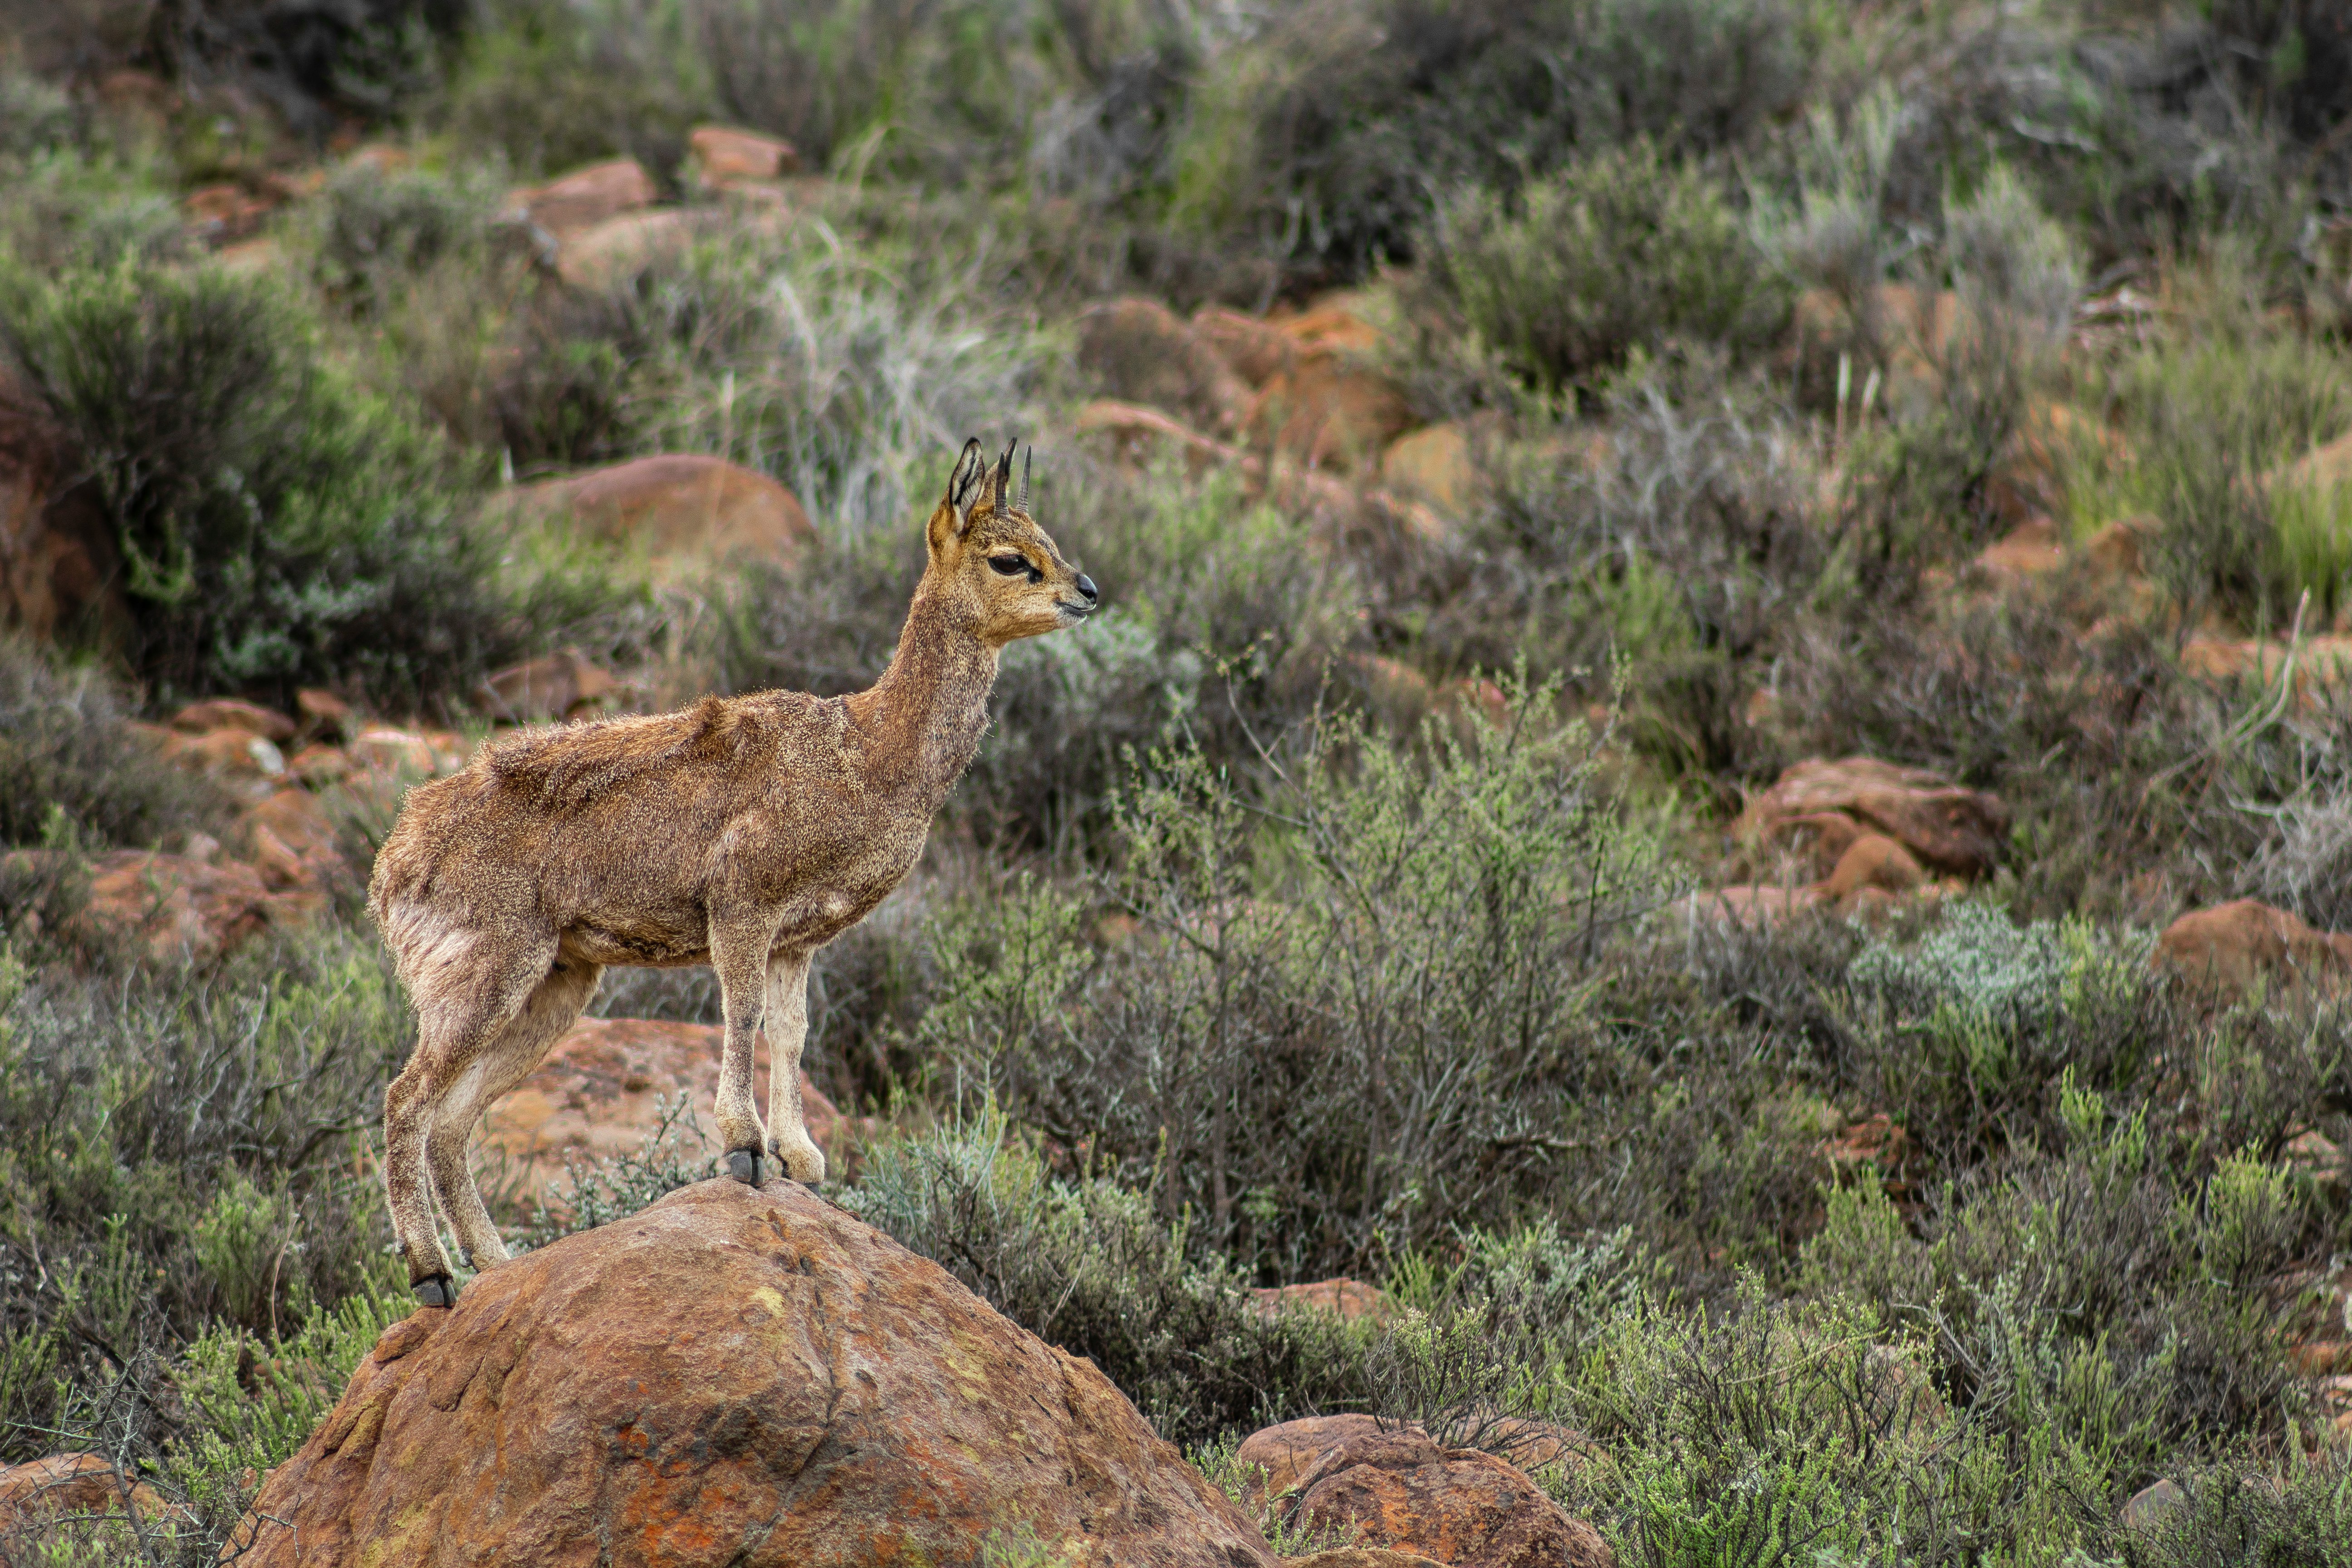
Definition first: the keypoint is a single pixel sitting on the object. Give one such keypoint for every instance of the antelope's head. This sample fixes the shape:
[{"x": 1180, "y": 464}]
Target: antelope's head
[{"x": 989, "y": 558}]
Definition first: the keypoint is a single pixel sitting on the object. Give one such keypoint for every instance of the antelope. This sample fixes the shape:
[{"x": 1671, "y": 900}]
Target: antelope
[{"x": 741, "y": 832}]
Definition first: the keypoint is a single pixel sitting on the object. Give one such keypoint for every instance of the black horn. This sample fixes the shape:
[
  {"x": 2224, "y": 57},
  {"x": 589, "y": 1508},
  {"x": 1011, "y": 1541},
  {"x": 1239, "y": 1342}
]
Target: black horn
[
  {"x": 1004, "y": 473},
  {"x": 1028, "y": 460}
]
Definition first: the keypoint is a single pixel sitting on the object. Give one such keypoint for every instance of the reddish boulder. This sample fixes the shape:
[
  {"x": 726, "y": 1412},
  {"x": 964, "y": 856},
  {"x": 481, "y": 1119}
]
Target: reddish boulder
[
  {"x": 2231, "y": 947},
  {"x": 1397, "y": 1487},
  {"x": 233, "y": 713},
  {"x": 735, "y": 1375},
  {"x": 594, "y": 1098},
  {"x": 621, "y": 248},
  {"x": 1946, "y": 827},
  {"x": 1136, "y": 434},
  {"x": 292, "y": 841},
  {"x": 178, "y": 907},
  {"x": 706, "y": 508},
  {"x": 1873, "y": 860},
  {"x": 1330, "y": 411},
  {"x": 587, "y": 197}
]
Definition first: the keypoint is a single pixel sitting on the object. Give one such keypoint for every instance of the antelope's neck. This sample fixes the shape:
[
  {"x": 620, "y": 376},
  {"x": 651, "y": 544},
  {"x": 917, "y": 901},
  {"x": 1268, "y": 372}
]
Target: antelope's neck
[{"x": 923, "y": 720}]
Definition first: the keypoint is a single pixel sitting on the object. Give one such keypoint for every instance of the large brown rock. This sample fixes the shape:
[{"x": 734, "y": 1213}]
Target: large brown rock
[
  {"x": 680, "y": 506},
  {"x": 174, "y": 906},
  {"x": 1139, "y": 352},
  {"x": 740, "y": 1376},
  {"x": 1945, "y": 826},
  {"x": 583, "y": 198},
  {"x": 60, "y": 575},
  {"x": 1397, "y": 1487},
  {"x": 2230, "y": 947},
  {"x": 1330, "y": 408},
  {"x": 595, "y": 1096},
  {"x": 724, "y": 156}
]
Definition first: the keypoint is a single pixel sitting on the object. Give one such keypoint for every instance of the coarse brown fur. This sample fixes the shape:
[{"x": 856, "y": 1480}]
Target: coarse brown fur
[{"x": 744, "y": 832}]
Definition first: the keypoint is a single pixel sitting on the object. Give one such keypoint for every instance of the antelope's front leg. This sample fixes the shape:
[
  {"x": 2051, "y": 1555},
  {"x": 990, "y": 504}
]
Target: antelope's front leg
[
  {"x": 738, "y": 952},
  {"x": 787, "y": 1030}
]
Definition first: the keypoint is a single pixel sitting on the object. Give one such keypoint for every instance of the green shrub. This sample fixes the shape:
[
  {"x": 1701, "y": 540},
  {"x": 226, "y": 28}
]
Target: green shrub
[
  {"x": 1092, "y": 1267},
  {"x": 1616, "y": 251},
  {"x": 1322, "y": 139},
  {"x": 1332, "y": 1039},
  {"x": 280, "y": 526},
  {"x": 2209, "y": 415},
  {"x": 66, "y": 746},
  {"x": 552, "y": 86},
  {"x": 177, "y": 1144}
]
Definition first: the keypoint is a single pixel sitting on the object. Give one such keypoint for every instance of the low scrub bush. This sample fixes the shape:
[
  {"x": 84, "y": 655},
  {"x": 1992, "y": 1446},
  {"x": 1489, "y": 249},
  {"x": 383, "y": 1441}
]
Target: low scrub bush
[
  {"x": 1348, "y": 1017},
  {"x": 280, "y": 526},
  {"x": 1322, "y": 139},
  {"x": 1618, "y": 251},
  {"x": 181, "y": 1152},
  {"x": 69, "y": 757},
  {"x": 2209, "y": 417}
]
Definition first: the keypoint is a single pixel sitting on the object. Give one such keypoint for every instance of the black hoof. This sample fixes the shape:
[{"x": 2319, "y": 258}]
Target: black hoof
[
  {"x": 743, "y": 1164},
  {"x": 435, "y": 1291}
]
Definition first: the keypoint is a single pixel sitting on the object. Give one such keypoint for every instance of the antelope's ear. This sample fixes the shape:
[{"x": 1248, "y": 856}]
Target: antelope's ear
[{"x": 965, "y": 486}]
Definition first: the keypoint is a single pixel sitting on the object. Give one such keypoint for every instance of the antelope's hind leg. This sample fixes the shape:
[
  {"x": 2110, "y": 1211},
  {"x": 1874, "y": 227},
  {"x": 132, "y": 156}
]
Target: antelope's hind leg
[
  {"x": 553, "y": 1006},
  {"x": 786, "y": 1025},
  {"x": 466, "y": 984}
]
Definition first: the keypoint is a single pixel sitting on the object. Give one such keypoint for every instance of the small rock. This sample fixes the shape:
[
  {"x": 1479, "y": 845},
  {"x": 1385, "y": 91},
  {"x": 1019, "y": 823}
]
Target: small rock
[
  {"x": 555, "y": 686},
  {"x": 680, "y": 508},
  {"x": 2120, "y": 548},
  {"x": 1945, "y": 826},
  {"x": 1433, "y": 463},
  {"x": 581, "y": 200},
  {"x": 55, "y": 1490},
  {"x": 387, "y": 751},
  {"x": 1397, "y": 1487},
  {"x": 319, "y": 764},
  {"x": 2151, "y": 1503},
  {"x": 324, "y": 712},
  {"x": 1351, "y": 1299},
  {"x": 2228, "y": 948},
  {"x": 233, "y": 713},
  {"x": 733, "y": 1375},
  {"x": 723, "y": 156},
  {"x": 1873, "y": 860},
  {"x": 618, "y": 249},
  {"x": 2030, "y": 550},
  {"x": 2314, "y": 1153},
  {"x": 295, "y": 843}
]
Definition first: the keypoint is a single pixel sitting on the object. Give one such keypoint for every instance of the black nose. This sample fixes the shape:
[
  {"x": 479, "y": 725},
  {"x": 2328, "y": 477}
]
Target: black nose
[{"x": 1087, "y": 587}]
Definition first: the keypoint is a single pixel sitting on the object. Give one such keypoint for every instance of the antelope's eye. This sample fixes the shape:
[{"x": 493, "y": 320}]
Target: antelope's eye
[{"x": 1009, "y": 565}]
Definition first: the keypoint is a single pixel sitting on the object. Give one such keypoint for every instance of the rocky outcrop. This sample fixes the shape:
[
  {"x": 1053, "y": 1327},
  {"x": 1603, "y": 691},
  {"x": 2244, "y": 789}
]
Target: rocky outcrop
[
  {"x": 698, "y": 508},
  {"x": 2231, "y": 948},
  {"x": 1825, "y": 807},
  {"x": 600, "y": 1093},
  {"x": 740, "y": 1376},
  {"x": 1395, "y": 1487},
  {"x": 176, "y": 906}
]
